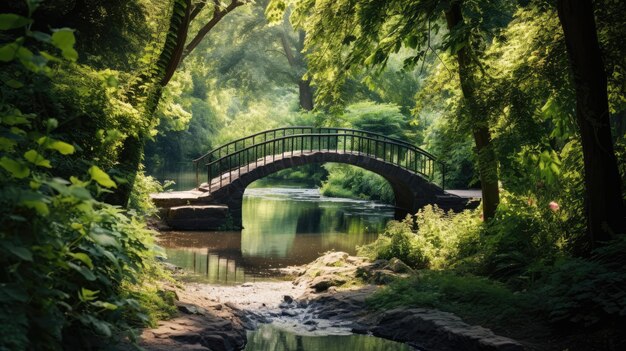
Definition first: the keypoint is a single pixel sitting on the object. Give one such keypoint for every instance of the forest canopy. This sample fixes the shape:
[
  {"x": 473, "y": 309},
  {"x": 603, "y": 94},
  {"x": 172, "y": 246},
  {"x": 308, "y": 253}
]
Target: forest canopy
[{"x": 100, "y": 101}]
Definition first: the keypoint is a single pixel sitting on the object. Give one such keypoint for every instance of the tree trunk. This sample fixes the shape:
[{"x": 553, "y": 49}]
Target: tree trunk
[
  {"x": 131, "y": 154},
  {"x": 619, "y": 122},
  {"x": 130, "y": 160},
  {"x": 604, "y": 203},
  {"x": 305, "y": 94},
  {"x": 487, "y": 162},
  {"x": 305, "y": 90}
]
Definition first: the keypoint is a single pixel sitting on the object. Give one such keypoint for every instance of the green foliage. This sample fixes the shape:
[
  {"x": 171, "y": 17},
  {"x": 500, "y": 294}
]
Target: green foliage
[
  {"x": 354, "y": 182},
  {"x": 470, "y": 296},
  {"x": 140, "y": 196},
  {"x": 526, "y": 236},
  {"x": 441, "y": 241},
  {"x": 587, "y": 292},
  {"x": 65, "y": 255},
  {"x": 72, "y": 267},
  {"x": 384, "y": 119}
]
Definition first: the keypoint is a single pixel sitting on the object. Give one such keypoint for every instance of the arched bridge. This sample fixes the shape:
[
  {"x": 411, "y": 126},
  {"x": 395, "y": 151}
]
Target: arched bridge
[{"x": 416, "y": 176}]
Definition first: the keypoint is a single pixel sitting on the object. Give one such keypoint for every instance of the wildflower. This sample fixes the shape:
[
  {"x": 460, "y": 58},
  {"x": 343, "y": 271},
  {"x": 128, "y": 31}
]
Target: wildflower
[{"x": 554, "y": 206}]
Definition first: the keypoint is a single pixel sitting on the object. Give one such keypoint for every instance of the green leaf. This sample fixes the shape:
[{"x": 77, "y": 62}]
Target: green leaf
[
  {"x": 15, "y": 84},
  {"x": 62, "y": 147},
  {"x": 57, "y": 145},
  {"x": 101, "y": 327},
  {"x": 80, "y": 193},
  {"x": 84, "y": 271},
  {"x": 87, "y": 295},
  {"x": 64, "y": 40},
  {"x": 7, "y": 144},
  {"x": 83, "y": 257},
  {"x": 52, "y": 123},
  {"x": 105, "y": 305},
  {"x": 39, "y": 206},
  {"x": 8, "y": 51},
  {"x": 20, "y": 251},
  {"x": 14, "y": 119},
  {"x": 17, "y": 169},
  {"x": 12, "y": 21},
  {"x": 101, "y": 177},
  {"x": 41, "y": 36},
  {"x": 37, "y": 159},
  {"x": 104, "y": 240}
]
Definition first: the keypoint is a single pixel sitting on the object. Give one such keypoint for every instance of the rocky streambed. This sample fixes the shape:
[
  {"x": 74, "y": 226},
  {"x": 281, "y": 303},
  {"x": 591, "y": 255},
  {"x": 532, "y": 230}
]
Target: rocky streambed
[{"x": 325, "y": 297}]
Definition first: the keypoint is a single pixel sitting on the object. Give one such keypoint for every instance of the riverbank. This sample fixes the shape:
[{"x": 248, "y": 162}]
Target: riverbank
[{"x": 325, "y": 297}]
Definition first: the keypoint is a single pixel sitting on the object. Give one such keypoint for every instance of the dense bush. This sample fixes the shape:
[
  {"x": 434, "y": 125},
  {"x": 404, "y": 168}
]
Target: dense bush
[
  {"x": 73, "y": 269},
  {"x": 587, "y": 291},
  {"x": 442, "y": 240},
  {"x": 520, "y": 263},
  {"x": 64, "y": 255},
  {"x": 357, "y": 183}
]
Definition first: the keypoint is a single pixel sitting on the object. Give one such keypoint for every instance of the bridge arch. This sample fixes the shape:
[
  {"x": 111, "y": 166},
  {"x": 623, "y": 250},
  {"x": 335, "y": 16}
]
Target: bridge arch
[{"x": 410, "y": 171}]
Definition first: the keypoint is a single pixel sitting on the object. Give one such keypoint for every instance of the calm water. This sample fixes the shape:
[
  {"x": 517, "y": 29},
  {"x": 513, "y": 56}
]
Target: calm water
[
  {"x": 283, "y": 227},
  {"x": 270, "y": 338}
]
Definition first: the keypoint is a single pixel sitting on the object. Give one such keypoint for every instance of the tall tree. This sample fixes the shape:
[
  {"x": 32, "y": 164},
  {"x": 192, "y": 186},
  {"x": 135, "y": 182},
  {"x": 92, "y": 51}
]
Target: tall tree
[
  {"x": 487, "y": 162},
  {"x": 344, "y": 37},
  {"x": 604, "y": 203},
  {"x": 174, "y": 50},
  {"x": 296, "y": 61}
]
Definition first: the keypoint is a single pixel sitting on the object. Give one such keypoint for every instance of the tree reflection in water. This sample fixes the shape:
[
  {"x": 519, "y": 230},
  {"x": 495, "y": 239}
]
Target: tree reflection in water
[
  {"x": 283, "y": 227},
  {"x": 270, "y": 338}
]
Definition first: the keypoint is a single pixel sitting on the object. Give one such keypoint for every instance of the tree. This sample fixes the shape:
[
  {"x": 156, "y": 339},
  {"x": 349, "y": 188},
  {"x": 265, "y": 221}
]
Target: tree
[
  {"x": 343, "y": 37},
  {"x": 175, "y": 49},
  {"x": 296, "y": 62},
  {"x": 604, "y": 203},
  {"x": 487, "y": 162}
]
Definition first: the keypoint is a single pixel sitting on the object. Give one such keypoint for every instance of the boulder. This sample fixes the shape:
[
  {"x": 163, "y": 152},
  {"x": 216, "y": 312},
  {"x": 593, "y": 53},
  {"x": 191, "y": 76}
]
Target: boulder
[
  {"x": 323, "y": 282},
  {"x": 397, "y": 266}
]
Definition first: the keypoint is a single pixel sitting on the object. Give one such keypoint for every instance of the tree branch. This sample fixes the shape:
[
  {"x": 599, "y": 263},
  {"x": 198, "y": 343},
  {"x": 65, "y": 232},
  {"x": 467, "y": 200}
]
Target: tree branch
[
  {"x": 218, "y": 14},
  {"x": 196, "y": 9},
  {"x": 287, "y": 49}
]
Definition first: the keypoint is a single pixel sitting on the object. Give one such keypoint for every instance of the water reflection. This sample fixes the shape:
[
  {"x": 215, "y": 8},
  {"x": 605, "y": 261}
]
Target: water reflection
[
  {"x": 283, "y": 226},
  {"x": 270, "y": 338}
]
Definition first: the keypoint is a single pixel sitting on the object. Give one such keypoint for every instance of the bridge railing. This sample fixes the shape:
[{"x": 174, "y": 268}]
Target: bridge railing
[
  {"x": 399, "y": 153},
  {"x": 272, "y": 134}
]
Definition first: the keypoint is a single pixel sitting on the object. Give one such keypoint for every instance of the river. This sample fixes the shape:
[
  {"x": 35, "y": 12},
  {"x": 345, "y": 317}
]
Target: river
[{"x": 283, "y": 226}]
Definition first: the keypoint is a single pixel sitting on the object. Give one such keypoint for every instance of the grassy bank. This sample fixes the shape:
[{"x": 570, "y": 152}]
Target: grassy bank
[{"x": 531, "y": 288}]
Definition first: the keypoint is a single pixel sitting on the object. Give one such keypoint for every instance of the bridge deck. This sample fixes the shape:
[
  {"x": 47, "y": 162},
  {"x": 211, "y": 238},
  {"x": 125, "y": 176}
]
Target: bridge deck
[{"x": 466, "y": 193}]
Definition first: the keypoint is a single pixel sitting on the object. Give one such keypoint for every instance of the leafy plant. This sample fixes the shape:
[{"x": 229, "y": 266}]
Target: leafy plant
[
  {"x": 441, "y": 240},
  {"x": 67, "y": 259}
]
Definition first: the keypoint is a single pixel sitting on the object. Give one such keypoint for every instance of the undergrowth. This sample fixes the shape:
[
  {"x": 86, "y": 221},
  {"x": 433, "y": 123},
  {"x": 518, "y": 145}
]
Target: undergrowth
[{"x": 515, "y": 271}]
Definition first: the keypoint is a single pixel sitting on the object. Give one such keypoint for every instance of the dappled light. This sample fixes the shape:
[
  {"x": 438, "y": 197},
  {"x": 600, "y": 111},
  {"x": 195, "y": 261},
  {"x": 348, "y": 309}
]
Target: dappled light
[{"x": 312, "y": 174}]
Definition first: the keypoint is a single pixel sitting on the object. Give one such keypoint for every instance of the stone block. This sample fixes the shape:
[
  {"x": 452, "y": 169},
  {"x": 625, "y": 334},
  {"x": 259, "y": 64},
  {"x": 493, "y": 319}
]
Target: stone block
[{"x": 204, "y": 217}]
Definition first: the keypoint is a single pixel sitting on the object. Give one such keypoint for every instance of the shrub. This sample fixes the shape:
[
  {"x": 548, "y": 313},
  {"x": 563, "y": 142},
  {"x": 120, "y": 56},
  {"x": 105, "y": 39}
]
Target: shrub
[
  {"x": 354, "y": 182},
  {"x": 442, "y": 239},
  {"x": 523, "y": 239},
  {"x": 587, "y": 292},
  {"x": 72, "y": 268}
]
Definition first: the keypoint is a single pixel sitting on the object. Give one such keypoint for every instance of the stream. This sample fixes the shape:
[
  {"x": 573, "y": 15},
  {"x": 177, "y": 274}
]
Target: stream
[{"x": 283, "y": 227}]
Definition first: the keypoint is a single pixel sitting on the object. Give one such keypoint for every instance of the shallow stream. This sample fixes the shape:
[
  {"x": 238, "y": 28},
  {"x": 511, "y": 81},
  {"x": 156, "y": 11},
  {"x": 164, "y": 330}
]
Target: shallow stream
[{"x": 283, "y": 227}]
